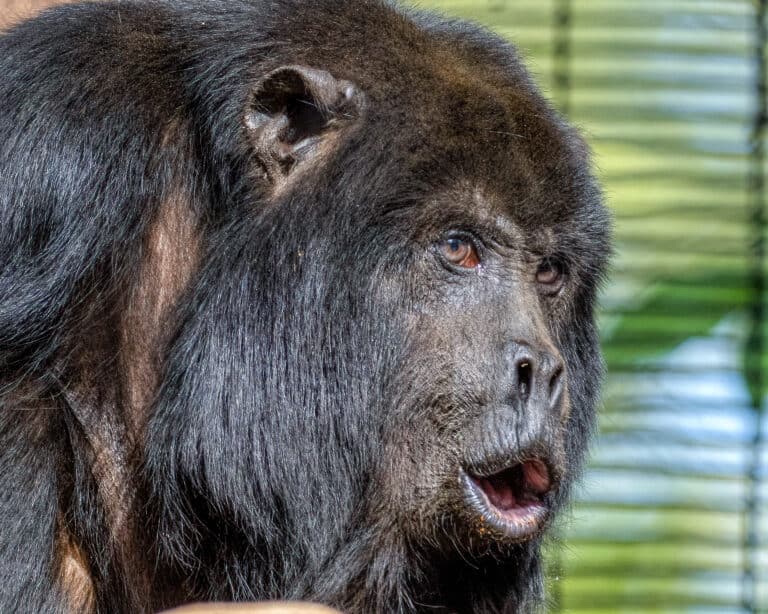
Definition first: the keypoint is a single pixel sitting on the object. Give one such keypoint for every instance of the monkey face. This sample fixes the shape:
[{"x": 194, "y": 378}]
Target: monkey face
[
  {"x": 484, "y": 385},
  {"x": 501, "y": 397}
]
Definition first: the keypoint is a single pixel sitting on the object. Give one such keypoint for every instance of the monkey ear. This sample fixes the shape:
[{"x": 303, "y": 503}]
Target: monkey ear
[{"x": 293, "y": 112}]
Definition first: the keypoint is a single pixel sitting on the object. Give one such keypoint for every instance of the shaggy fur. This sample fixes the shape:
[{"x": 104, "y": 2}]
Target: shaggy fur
[{"x": 233, "y": 363}]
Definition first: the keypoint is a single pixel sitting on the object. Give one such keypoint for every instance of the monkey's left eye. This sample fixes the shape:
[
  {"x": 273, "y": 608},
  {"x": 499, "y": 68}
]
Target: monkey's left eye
[
  {"x": 550, "y": 275},
  {"x": 460, "y": 251}
]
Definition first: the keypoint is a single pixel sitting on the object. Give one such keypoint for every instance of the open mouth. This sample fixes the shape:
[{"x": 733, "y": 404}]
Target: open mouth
[{"x": 512, "y": 501}]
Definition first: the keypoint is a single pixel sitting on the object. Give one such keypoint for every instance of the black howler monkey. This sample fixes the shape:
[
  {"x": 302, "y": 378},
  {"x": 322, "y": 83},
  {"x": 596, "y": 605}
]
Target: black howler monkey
[{"x": 296, "y": 301}]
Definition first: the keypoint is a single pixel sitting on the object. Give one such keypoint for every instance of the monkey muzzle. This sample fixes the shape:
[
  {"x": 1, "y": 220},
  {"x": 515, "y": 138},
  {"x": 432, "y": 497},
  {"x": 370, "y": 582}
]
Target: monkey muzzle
[
  {"x": 515, "y": 448},
  {"x": 509, "y": 478}
]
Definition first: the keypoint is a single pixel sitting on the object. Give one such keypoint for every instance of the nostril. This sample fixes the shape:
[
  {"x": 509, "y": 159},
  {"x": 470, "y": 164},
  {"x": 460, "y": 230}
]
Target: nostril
[{"x": 524, "y": 377}]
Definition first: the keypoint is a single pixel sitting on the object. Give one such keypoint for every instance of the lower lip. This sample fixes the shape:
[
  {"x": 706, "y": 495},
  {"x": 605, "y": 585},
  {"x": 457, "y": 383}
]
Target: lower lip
[{"x": 517, "y": 524}]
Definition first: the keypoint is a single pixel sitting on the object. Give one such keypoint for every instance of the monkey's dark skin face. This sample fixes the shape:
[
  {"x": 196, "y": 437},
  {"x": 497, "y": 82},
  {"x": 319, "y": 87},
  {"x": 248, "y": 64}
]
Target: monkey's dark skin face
[{"x": 297, "y": 301}]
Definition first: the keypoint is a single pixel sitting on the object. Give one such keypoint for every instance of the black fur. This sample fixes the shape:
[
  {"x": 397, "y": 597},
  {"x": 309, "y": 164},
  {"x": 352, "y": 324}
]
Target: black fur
[{"x": 323, "y": 375}]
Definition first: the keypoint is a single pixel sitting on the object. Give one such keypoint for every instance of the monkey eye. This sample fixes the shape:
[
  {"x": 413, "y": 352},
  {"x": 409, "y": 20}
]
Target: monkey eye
[
  {"x": 460, "y": 251},
  {"x": 550, "y": 275}
]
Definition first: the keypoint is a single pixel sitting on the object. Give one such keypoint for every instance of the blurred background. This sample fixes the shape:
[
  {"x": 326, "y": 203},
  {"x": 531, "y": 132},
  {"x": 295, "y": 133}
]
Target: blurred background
[{"x": 673, "y": 513}]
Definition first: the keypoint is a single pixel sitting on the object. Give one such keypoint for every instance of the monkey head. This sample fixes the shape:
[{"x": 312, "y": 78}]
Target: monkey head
[{"x": 394, "y": 343}]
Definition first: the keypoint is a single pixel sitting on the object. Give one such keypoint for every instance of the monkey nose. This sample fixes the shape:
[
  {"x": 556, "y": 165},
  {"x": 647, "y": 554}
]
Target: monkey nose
[{"x": 537, "y": 377}]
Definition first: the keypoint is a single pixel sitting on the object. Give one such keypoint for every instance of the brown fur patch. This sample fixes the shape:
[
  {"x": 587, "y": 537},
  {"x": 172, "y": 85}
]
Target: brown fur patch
[
  {"x": 111, "y": 418},
  {"x": 74, "y": 575},
  {"x": 170, "y": 258}
]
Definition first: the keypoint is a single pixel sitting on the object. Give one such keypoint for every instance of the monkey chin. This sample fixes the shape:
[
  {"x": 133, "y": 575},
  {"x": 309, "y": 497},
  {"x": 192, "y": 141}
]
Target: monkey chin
[{"x": 511, "y": 505}]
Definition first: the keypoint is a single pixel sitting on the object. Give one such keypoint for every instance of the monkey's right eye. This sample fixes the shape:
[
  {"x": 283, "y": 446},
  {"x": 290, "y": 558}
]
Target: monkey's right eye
[{"x": 460, "y": 251}]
